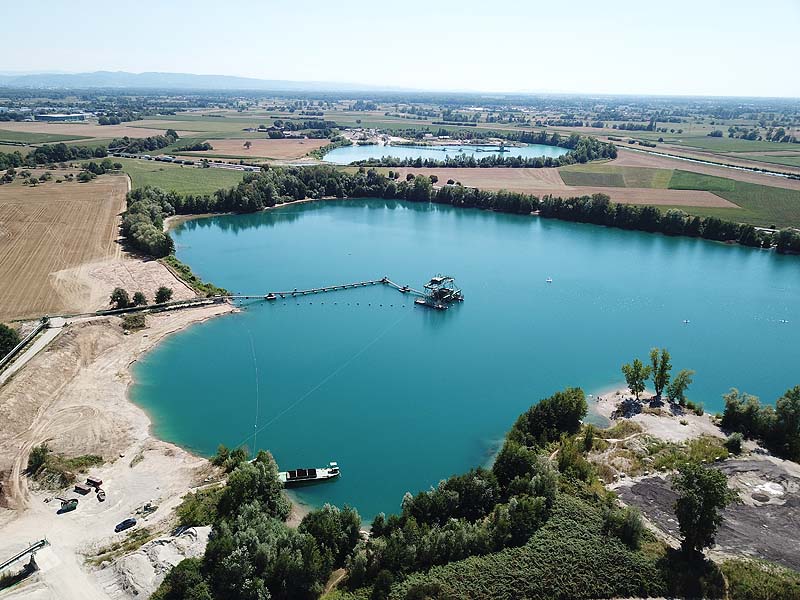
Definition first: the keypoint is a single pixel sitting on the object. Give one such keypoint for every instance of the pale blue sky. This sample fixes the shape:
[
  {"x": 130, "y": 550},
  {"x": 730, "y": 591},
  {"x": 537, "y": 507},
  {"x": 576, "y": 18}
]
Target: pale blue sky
[{"x": 709, "y": 47}]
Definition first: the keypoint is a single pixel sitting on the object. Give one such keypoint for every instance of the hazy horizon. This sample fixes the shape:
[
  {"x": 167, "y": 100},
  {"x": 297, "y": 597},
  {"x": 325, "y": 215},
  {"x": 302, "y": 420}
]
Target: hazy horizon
[{"x": 618, "y": 48}]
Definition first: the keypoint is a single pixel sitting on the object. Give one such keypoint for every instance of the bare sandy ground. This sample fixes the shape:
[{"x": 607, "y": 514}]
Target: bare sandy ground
[
  {"x": 281, "y": 149},
  {"x": 89, "y": 286},
  {"x": 666, "y": 426},
  {"x": 74, "y": 396},
  {"x": 540, "y": 182}
]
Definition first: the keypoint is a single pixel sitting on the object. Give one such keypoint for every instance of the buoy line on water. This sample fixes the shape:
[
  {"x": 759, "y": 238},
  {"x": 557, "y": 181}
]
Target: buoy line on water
[{"x": 325, "y": 379}]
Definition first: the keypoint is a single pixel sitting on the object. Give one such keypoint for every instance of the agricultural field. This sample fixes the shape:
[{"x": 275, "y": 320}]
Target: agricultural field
[
  {"x": 540, "y": 182},
  {"x": 27, "y": 131},
  {"x": 786, "y": 160},
  {"x": 280, "y": 149},
  {"x": 47, "y": 229},
  {"x": 757, "y": 204},
  {"x": 177, "y": 178},
  {"x": 605, "y": 174},
  {"x": 34, "y": 137}
]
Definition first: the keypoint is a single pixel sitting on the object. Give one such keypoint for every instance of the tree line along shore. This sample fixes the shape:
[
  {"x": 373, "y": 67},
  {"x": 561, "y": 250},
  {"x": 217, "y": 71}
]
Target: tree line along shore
[{"x": 148, "y": 207}]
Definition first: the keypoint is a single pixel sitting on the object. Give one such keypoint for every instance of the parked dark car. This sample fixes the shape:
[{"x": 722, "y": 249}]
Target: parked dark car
[{"x": 126, "y": 524}]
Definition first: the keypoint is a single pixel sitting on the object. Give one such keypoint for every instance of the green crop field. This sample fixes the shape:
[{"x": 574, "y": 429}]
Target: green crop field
[
  {"x": 724, "y": 144},
  {"x": 36, "y": 138},
  {"x": 759, "y": 205},
  {"x": 603, "y": 174},
  {"x": 788, "y": 160},
  {"x": 181, "y": 179}
]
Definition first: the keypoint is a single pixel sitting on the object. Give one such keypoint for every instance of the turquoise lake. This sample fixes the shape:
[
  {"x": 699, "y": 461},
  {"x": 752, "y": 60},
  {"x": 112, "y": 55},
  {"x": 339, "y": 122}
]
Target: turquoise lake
[
  {"x": 349, "y": 154},
  {"x": 403, "y": 396}
]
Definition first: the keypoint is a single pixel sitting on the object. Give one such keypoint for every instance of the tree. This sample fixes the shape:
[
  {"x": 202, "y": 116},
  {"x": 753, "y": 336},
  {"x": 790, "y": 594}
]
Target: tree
[
  {"x": 636, "y": 374},
  {"x": 139, "y": 299},
  {"x": 546, "y": 421},
  {"x": 661, "y": 367},
  {"x": 163, "y": 294},
  {"x": 786, "y": 439},
  {"x": 702, "y": 494},
  {"x": 120, "y": 298},
  {"x": 336, "y": 531},
  {"x": 256, "y": 482},
  {"x": 8, "y": 339},
  {"x": 676, "y": 391},
  {"x": 743, "y": 414},
  {"x": 184, "y": 582}
]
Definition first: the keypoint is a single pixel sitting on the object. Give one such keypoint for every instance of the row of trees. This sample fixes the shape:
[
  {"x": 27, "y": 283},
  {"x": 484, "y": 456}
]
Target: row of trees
[
  {"x": 599, "y": 209},
  {"x": 121, "y": 299},
  {"x": 147, "y": 144},
  {"x": 659, "y": 368},
  {"x": 777, "y": 428},
  {"x": 147, "y": 207},
  {"x": 581, "y": 150}
]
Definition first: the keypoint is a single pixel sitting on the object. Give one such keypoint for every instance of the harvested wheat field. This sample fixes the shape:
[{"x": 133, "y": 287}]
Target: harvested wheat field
[
  {"x": 50, "y": 228},
  {"x": 548, "y": 181},
  {"x": 263, "y": 148}
]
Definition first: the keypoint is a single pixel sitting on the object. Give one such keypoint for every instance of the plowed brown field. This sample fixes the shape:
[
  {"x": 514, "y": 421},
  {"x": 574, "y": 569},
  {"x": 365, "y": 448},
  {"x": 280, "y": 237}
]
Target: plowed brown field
[{"x": 49, "y": 228}]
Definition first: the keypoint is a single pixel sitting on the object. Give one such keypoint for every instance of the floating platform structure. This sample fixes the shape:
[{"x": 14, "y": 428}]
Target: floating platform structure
[{"x": 438, "y": 293}]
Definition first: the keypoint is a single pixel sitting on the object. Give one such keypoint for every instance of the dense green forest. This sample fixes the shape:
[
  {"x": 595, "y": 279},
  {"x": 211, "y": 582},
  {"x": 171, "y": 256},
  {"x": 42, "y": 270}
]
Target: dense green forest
[{"x": 147, "y": 207}]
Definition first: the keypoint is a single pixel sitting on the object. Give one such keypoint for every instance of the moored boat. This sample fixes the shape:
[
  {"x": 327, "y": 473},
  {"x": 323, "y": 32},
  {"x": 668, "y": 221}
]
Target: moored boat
[{"x": 299, "y": 477}]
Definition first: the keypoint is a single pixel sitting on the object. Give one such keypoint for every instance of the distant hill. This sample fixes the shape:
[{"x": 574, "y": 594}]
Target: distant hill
[{"x": 173, "y": 81}]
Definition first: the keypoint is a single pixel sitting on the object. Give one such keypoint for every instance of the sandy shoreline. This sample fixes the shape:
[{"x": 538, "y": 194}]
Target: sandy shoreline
[{"x": 74, "y": 395}]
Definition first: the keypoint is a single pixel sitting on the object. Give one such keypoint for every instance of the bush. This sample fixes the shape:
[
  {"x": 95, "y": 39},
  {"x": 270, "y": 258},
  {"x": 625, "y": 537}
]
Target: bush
[
  {"x": 734, "y": 443},
  {"x": 760, "y": 580},
  {"x": 199, "y": 508},
  {"x": 626, "y": 524},
  {"x": 37, "y": 458},
  {"x": 9, "y": 338},
  {"x": 696, "y": 408},
  {"x": 134, "y": 322}
]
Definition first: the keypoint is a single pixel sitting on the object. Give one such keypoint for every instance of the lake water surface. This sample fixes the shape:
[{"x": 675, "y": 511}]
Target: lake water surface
[
  {"x": 403, "y": 396},
  {"x": 349, "y": 154}
]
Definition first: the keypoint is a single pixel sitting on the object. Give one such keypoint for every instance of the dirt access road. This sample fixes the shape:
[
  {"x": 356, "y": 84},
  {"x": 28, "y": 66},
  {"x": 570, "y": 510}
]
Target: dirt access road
[{"x": 73, "y": 395}]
